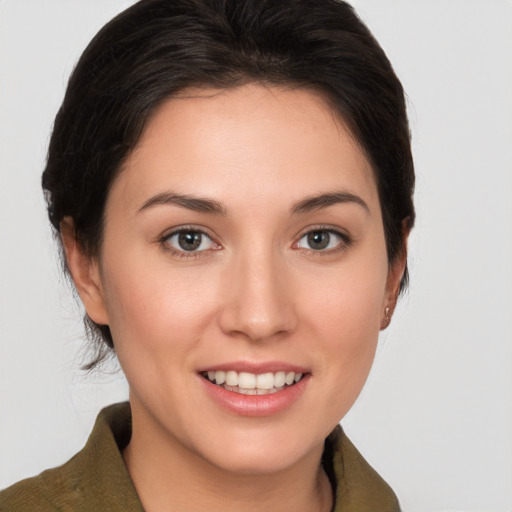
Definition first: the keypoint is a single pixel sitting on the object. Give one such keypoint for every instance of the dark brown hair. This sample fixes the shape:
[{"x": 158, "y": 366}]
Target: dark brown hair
[{"x": 159, "y": 47}]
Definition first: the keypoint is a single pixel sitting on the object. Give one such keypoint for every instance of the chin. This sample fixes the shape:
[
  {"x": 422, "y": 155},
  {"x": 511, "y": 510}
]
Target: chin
[
  {"x": 262, "y": 453},
  {"x": 256, "y": 462}
]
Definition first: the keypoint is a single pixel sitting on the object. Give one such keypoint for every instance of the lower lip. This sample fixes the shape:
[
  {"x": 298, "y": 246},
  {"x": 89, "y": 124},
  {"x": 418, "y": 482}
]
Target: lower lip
[{"x": 255, "y": 405}]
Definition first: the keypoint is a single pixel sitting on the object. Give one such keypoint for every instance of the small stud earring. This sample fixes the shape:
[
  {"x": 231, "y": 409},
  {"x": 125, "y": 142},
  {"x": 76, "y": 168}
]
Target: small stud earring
[{"x": 386, "y": 314}]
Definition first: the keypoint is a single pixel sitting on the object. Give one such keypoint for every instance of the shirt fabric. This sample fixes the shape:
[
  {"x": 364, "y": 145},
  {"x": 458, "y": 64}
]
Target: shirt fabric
[{"x": 96, "y": 478}]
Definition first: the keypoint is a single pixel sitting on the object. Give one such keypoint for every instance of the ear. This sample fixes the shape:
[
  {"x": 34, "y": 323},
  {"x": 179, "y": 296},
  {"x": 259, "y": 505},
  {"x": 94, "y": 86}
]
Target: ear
[
  {"x": 85, "y": 274},
  {"x": 395, "y": 273}
]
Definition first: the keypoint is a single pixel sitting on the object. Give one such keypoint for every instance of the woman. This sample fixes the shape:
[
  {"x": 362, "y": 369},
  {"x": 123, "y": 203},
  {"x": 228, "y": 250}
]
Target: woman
[{"x": 232, "y": 184}]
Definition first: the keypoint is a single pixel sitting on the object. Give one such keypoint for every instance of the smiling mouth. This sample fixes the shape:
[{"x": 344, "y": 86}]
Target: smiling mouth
[{"x": 247, "y": 383}]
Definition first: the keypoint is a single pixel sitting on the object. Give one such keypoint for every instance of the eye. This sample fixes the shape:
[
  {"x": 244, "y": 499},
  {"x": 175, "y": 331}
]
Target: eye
[
  {"x": 189, "y": 241},
  {"x": 322, "y": 240}
]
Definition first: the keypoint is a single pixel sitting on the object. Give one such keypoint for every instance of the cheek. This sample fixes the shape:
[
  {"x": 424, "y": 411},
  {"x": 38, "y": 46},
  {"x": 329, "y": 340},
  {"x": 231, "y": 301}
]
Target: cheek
[
  {"x": 150, "y": 307},
  {"x": 349, "y": 328},
  {"x": 348, "y": 301},
  {"x": 344, "y": 315}
]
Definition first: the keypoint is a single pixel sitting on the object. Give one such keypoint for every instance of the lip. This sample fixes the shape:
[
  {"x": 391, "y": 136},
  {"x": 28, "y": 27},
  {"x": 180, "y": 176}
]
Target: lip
[
  {"x": 254, "y": 405},
  {"x": 255, "y": 367}
]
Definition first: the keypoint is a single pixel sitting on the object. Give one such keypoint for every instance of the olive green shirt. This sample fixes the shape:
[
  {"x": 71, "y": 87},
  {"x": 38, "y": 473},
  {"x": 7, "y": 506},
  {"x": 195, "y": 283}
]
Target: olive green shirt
[{"x": 96, "y": 478}]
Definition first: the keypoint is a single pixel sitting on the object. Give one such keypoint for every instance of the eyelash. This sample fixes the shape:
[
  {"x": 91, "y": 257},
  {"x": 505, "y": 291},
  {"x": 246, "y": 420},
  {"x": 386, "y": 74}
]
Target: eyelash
[
  {"x": 345, "y": 242},
  {"x": 181, "y": 253}
]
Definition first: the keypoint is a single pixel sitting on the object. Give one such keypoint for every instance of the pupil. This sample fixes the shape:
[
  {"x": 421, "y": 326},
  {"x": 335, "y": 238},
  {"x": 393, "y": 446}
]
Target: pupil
[
  {"x": 189, "y": 241},
  {"x": 318, "y": 239}
]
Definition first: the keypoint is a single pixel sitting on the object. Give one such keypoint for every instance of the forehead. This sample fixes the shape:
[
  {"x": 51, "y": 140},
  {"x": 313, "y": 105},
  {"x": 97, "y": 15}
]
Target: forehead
[{"x": 264, "y": 143}]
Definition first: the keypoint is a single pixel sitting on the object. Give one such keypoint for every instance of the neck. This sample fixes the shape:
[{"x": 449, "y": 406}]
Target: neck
[{"x": 168, "y": 476}]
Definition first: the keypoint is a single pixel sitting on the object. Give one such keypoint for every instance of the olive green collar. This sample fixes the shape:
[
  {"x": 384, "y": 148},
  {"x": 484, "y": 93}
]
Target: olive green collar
[{"x": 96, "y": 478}]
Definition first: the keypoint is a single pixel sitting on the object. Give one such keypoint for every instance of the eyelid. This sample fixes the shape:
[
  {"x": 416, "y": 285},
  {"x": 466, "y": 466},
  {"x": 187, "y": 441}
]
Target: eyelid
[
  {"x": 168, "y": 234},
  {"x": 346, "y": 239}
]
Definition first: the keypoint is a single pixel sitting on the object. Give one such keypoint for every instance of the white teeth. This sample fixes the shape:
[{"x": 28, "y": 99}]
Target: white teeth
[
  {"x": 252, "y": 384},
  {"x": 247, "y": 380},
  {"x": 265, "y": 381},
  {"x": 279, "y": 379},
  {"x": 290, "y": 378},
  {"x": 232, "y": 378}
]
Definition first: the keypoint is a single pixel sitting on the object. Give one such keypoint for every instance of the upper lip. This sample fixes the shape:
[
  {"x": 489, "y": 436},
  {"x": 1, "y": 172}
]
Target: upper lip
[{"x": 257, "y": 368}]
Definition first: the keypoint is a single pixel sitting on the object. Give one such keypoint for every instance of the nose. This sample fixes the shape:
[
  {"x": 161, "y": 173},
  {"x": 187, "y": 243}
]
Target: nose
[{"x": 259, "y": 302}]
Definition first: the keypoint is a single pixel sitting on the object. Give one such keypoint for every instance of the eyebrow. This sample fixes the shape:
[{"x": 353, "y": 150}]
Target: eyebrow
[
  {"x": 328, "y": 199},
  {"x": 205, "y": 205},
  {"x": 197, "y": 204}
]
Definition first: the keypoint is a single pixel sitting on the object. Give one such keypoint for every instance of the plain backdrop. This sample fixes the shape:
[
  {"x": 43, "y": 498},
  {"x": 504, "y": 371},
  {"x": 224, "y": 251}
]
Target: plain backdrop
[{"x": 435, "y": 418}]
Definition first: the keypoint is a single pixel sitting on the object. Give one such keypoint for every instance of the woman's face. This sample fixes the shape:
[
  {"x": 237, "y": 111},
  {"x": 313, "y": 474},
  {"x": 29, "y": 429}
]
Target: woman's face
[{"x": 244, "y": 241}]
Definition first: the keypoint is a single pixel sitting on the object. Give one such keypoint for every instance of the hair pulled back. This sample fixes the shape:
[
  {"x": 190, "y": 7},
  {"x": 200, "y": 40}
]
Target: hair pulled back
[{"x": 156, "y": 48}]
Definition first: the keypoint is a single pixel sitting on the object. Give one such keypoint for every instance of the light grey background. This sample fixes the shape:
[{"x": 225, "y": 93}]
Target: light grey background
[{"x": 435, "y": 418}]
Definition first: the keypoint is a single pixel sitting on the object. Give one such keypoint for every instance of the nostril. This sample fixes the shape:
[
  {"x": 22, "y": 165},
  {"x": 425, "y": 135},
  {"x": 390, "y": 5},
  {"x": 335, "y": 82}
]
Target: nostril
[{"x": 258, "y": 302}]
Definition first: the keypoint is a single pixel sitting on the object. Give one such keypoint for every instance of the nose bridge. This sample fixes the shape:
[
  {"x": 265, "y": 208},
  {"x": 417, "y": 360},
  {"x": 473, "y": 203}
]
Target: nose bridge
[{"x": 259, "y": 304}]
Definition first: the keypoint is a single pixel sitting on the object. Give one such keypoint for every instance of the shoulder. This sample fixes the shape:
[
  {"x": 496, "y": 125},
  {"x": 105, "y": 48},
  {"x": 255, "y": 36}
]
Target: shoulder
[
  {"x": 45, "y": 492},
  {"x": 359, "y": 488},
  {"x": 94, "y": 479}
]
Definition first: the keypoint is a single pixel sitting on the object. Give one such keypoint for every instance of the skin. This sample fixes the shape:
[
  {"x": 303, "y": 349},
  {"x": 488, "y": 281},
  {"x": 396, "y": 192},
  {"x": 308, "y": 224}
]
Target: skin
[{"x": 255, "y": 291}]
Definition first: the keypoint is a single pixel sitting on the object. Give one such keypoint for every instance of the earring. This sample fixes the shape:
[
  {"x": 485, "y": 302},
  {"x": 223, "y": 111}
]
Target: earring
[{"x": 386, "y": 314}]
